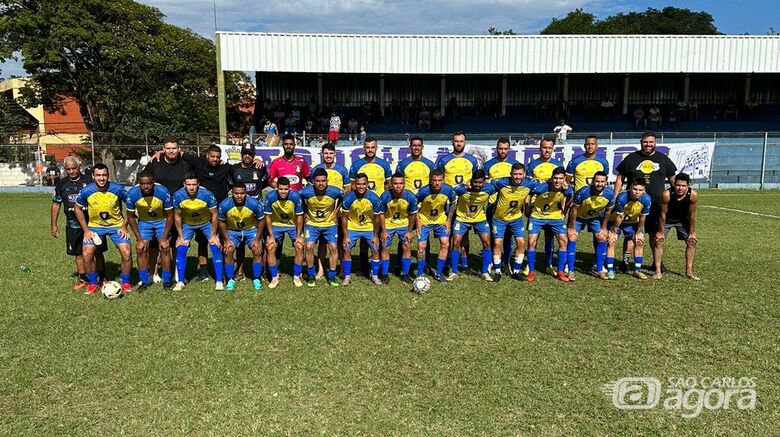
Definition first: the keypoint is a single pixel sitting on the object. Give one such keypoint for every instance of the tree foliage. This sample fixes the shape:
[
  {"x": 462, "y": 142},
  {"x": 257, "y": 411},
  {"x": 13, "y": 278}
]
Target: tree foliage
[
  {"x": 494, "y": 31},
  {"x": 666, "y": 21}
]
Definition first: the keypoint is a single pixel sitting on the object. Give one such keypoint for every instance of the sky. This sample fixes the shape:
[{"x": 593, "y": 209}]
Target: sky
[{"x": 430, "y": 16}]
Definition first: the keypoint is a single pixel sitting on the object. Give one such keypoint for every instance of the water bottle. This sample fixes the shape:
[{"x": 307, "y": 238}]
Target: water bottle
[{"x": 24, "y": 268}]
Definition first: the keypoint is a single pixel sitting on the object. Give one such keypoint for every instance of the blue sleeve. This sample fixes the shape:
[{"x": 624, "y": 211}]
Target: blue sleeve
[
  {"x": 119, "y": 191},
  {"x": 578, "y": 197},
  {"x": 491, "y": 188},
  {"x": 311, "y": 174},
  {"x": 348, "y": 200},
  {"x": 529, "y": 169},
  {"x": 131, "y": 199},
  {"x": 487, "y": 165},
  {"x": 440, "y": 162},
  {"x": 81, "y": 200},
  {"x": 474, "y": 161},
  {"x": 162, "y": 194},
  {"x": 620, "y": 204},
  {"x": 211, "y": 201},
  {"x": 222, "y": 210},
  {"x": 344, "y": 175},
  {"x": 451, "y": 194},
  {"x": 384, "y": 199},
  {"x": 605, "y": 164},
  {"x": 413, "y": 207},
  {"x": 298, "y": 205},
  {"x": 388, "y": 170},
  {"x": 459, "y": 190},
  {"x": 569, "y": 191},
  {"x": 570, "y": 168},
  {"x": 401, "y": 167},
  {"x": 269, "y": 200},
  {"x": 377, "y": 204},
  {"x": 421, "y": 194},
  {"x": 258, "y": 209},
  {"x": 646, "y": 202},
  {"x": 353, "y": 169},
  {"x": 429, "y": 163}
]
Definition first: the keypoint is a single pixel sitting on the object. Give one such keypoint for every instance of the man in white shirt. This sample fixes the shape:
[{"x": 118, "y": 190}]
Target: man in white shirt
[
  {"x": 562, "y": 130},
  {"x": 335, "y": 128}
]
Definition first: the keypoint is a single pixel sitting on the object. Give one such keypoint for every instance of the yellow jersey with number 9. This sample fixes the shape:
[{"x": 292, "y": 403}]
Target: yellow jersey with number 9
[{"x": 547, "y": 204}]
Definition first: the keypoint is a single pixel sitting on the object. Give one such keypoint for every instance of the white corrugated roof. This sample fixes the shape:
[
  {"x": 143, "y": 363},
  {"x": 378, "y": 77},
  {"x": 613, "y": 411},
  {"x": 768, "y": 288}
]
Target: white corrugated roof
[{"x": 485, "y": 54}]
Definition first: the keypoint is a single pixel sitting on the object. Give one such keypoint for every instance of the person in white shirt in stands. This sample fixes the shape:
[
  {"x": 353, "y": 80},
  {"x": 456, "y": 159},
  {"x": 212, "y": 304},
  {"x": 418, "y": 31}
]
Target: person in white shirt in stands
[
  {"x": 562, "y": 130},
  {"x": 334, "y": 128},
  {"x": 607, "y": 108}
]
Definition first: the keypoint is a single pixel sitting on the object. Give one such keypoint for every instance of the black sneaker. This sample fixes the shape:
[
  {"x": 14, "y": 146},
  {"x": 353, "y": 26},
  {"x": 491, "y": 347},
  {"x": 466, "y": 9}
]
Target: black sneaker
[
  {"x": 497, "y": 276},
  {"x": 167, "y": 286},
  {"x": 623, "y": 267},
  {"x": 439, "y": 277},
  {"x": 141, "y": 288},
  {"x": 518, "y": 276},
  {"x": 408, "y": 279},
  {"x": 385, "y": 279},
  {"x": 467, "y": 270},
  {"x": 203, "y": 276}
]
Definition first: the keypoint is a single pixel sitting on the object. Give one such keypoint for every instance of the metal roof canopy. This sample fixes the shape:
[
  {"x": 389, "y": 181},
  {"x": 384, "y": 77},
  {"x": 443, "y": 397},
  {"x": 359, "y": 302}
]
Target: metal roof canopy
[{"x": 486, "y": 54}]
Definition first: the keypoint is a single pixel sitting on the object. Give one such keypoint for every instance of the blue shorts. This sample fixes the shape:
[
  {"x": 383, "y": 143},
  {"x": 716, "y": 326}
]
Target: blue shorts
[
  {"x": 439, "y": 231},
  {"x": 188, "y": 231},
  {"x": 516, "y": 227},
  {"x": 460, "y": 228},
  {"x": 312, "y": 233},
  {"x": 151, "y": 230},
  {"x": 391, "y": 233},
  {"x": 594, "y": 225},
  {"x": 280, "y": 231},
  {"x": 111, "y": 232},
  {"x": 628, "y": 230},
  {"x": 535, "y": 225},
  {"x": 242, "y": 237},
  {"x": 355, "y": 236}
]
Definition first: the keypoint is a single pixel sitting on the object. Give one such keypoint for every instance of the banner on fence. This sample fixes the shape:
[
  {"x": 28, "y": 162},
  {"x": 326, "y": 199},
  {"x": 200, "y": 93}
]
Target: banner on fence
[{"x": 692, "y": 158}]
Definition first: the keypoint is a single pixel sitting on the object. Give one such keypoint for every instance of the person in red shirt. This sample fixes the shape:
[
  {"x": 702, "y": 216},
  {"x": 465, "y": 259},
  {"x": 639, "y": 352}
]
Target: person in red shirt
[{"x": 290, "y": 165}]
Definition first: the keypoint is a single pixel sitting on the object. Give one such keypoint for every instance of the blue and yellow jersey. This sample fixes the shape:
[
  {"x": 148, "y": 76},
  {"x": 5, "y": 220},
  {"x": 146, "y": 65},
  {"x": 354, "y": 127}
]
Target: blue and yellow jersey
[
  {"x": 104, "y": 208},
  {"x": 240, "y": 217},
  {"x": 547, "y": 204},
  {"x": 149, "y": 208},
  {"x": 283, "y": 211},
  {"x": 457, "y": 169},
  {"x": 591, "y": 204},
  {"x": 360, "y": 211},
  {"x": 582, "y": 169},
  {"x": 398, "y": 209},
  {"x": 417, "y": 174},
  {"x": 632, "y": 209},
  {"x": 433, "y": 207},
  {"x": 496, "y": 169},
  {"x": 511, "y": 198},
  {"x": 194, "y": 211},
  {"x": 472, "y": 204},
  {"x": 377, "y": 171},
  {"x": 338, "y": 176},
  {"x": 542, "y": 170},
  {"x": 320, "y": 208}
]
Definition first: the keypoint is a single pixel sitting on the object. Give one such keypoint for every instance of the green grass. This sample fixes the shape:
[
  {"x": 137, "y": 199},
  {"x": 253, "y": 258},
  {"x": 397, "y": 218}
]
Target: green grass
[{"x": 467, "y": 358}]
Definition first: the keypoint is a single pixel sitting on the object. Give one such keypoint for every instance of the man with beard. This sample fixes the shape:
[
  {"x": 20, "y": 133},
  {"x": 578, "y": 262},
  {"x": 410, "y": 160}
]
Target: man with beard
[
  {"x": 678, "y": 211},
  {"x": 473, "y": 197},
  {"x": 289, "y": 165},
  {"x": 548, "y": 202},
  {"x": 581, "y": 168},
  {"x": 541, "y": 169},
  {"x": 590, "y": 206},
  {"x": 497, "y": 168}
]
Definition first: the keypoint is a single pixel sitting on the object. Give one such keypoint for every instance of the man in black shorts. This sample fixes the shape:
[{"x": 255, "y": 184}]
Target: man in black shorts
[
  {"x": 657, "y": 170},
  {"x": 678, "y": 211},
  {"x": 65, "y": 194}
]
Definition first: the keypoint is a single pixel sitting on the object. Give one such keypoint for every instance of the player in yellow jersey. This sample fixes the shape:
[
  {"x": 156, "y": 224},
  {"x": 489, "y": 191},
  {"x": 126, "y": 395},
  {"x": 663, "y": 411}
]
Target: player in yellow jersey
[
  {"x": 548, "y": 202},
  {"x": 321, "y": 203},
  {"x": 470, "y": 213},
  {"x": 500, "y": 167},
  {"x": 433, "y": 205},
  {"x": 416, "y": 168},
  {"x": 284, "y": 216},
  {"x": 541, "y": 169},
  {"x": 241, "y": 223},
  {"x": 360, "y": 221},
  {"x": 399, "y": 218},
  {"x": 581, "y": 168}
]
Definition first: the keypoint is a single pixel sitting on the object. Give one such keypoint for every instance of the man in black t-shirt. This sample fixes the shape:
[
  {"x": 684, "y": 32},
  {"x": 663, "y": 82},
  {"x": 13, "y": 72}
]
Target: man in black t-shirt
[
  {"x": 255, "y": 179},
  {"x": 657, "y": 170}
]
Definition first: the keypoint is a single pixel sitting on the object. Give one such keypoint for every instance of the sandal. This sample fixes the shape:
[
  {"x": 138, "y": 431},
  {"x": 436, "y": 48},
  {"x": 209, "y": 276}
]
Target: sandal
[{"x": 693, "y": 277}]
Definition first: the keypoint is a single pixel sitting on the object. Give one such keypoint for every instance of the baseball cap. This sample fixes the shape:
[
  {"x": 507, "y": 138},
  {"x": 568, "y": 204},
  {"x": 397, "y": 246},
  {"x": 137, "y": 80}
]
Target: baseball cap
[{"x": 248, "y": 149}]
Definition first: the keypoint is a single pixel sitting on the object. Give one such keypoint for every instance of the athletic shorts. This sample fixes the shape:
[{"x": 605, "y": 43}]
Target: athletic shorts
[
  {"x": 110, "y": 232},
  {"x": 535, "y": 226},
  {"x": 74, "y": 238},
  {"x": 391, "y": 233},
  {"x": 151, "y": 230},
  {"x": 280, "y": 231},
  {"x": 516, "y": 227},
  {"x": 682, "y": 229},
  {"x": 355, "y": 236},
  {"x": 460, "y": 228},
  {"x": 627, "y": 230},
  {"x": 439, "y": 231},
  {"x": 242, "y": 237},
  {"x": 189, "y": 231},
  {"x": 312, "y": 233},
  {"x": 333, "y": 136},
  {"x": 593, "y": 225}
]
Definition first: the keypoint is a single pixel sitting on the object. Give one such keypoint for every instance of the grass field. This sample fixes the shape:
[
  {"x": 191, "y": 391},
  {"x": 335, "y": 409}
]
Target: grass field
[{"x": 467, "y": 358}]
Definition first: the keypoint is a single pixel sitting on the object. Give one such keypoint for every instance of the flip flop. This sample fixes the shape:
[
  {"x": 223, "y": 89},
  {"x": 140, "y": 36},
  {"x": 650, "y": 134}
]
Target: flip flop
[
  {"x": 658, "y": 276},
  {"x": 693, "y": 277}
]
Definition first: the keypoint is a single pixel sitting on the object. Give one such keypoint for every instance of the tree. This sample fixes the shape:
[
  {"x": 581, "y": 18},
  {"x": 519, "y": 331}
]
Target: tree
[
  {"x": 667, "y": 21},
  {"x": 494, "y": 31}
]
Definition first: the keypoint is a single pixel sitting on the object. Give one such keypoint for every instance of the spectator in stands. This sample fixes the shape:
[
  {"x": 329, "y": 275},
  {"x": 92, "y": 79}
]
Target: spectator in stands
[
  {"x": 654, "y": 116},
  {"x": 452, "y": 109},
  {"x": 530, "y": 140},
  {"x": 562, "y": 109},
  {"x": 352, "y": 129},
  {"x": 693, "y": 110},
  {"x": 363, "y": 135},
  {"x": 334, "y": 128},
  {"x": 639, "y": 117},
  {"x": 424, "y": 120},
  {"x": 313, "y": 108},
  {"x": 562, "y": 131},
  {"x": 682, "y": 110},
  {"x": 52, "y": 174},
  {"x": 674, "y": 117},
  {"x": 730, "y": 108},
  {"x": 606, "y": 109},
  {"x": 539, "y": 113},
  {"x": 751, "y": 108},
  {"x": 406, "y": 109},
  {"x": 375, "y": 113}
]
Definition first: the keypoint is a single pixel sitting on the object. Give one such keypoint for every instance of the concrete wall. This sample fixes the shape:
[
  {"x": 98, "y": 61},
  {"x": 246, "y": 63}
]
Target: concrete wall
[{"x": 17, "y": 174}]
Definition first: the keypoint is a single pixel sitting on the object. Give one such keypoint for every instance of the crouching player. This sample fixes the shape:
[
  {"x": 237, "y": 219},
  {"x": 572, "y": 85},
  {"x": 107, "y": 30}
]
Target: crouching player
[
  {"x": 549, "y": 202},
  {"x": 195, "y": 211},
  {"x": 360, "y": 220},
  {"x": 150, "y": 216},
  {"x": 241, "y": 223},
  {"x": 678, "y": 211},
  {"x": 472, "y": 201},
  {"x": 591, "y": 204},
  {"x": 284, "y": 216},
  {"x": 399, "y": 216},
  {"x": 434, "y": 202},
  {"x": 631, "y": 210}
]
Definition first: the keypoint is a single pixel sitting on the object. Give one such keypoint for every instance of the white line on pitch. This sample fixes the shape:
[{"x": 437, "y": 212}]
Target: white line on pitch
[{"x": 742, "y": 211}]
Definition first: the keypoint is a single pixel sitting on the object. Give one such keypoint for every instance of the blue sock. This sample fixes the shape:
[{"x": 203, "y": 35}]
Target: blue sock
[
  {"x": 166, "y": 276},
  {"x": 549, "y": 246},
  {"x": 562, "y": 258},
  {"x": 230, "y": 270},
  {"x": 508, "y": 243},
  {"x": 421, "y": 263},
  {"x": 257, "y": 270},
  {"x": 497, "y": 267},
  {"x": 487, "y": 254},
  {"x": 454, "y": 261},
  {"x": 144, "y": 275},
  {"x": 601, "y": 252},
  {"x": 516, "y": 266},
  {"x": 273, "y": 270},
  {"x": 406, "y": 264},
  {"x": 385, "y": 266},
  {"x": 297, "y": 269},
  {"x": 347, "y": 267},
  {"x": 440, "y": 265},
  {"x": 531, "y": 255},
  {"x": 181, "y": 261},
  {"x": 216, "y": 255},
  {"x": 330, "y": 274},
  {"x": 610, "y": 263},
  {"x": 375, "y": 267},
  {"x": 92, "y": 278},
  {"x": 125, "y": 278},
  {"x": 464, "y": 261},
  {"x": 571, "y": 250},
  {"x": 311, "y": 272},
  {"x": 638, "y": 263}
]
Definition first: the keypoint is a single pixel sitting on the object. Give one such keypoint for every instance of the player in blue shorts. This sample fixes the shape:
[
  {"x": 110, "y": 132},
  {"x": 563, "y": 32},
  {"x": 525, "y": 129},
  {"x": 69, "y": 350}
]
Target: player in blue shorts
[
  {"x": 399, "y": 218},
  {"x": 433, "y": 205},
  {"x": 150, "y": 216},
  {"x": 541, "y": 169},
  {"x": 284, "y": 216},
  {"x": 359, "y": 220},
  {"x": 241, "y": 223},
  {"x": 320, "y": 206},
  {"x": 103, "y": 199},
  {"x": 195, "y": 211},
  {"x": 548, "y": 202},
  {"x": 469, "y": 214},
  {"x": 590, "y": 206},
  {"x": 631, "y": 210}
]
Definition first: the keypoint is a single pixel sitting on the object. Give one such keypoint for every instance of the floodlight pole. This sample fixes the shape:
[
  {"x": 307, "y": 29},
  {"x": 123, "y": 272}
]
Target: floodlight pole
[
  {"x": 221, "y": 95},
  {"x": 763, "y": 159}
]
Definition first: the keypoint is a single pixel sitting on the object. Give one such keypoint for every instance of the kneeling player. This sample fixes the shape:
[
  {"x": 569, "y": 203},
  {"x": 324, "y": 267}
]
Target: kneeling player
[
  {"x": 359, "y": 220},
  {"x": 434, "y": 202},
  {"x": 591, "y": 204},
  {"x": 399, "y": 216},
  {"x": 549, "y": 202},
  {"x": 241, "y": 224},
  {"x": 284, "y": 216},
  {"x": 631, "y": 210},
  {"x": 512, "y": 193},
  {"x": 470, "y": 213}
]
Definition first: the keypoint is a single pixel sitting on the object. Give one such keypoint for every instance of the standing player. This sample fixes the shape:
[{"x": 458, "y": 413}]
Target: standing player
[
  {"x": 581, "y": 168},
  {"x": 195, "y": 210},
  {"x": 472, "y": 201},
  {"x": 399, "y": 218},
  {"x": 591, "y": 204},
  {"x": 338, "y": 177},
  {"x": 241, "y": 222},
  {"x": 255, "y": 179},
  {"x": 631, "y": 209},
  {"x": 359, "y": 221},
  {"x": 65, "y": 194},
  {"x": 103, "y": 200},
  {"x": 289, "y": 165},
  {"x": 150, "y": 215},
  {"x": 321, "y": 203},
  {"x": 416, "y": 169},
  {"x": 548, "y": 202},
  {"x": 284, "y": 216},
  {"x": 508, "y": 217},
  {"x": 496, "y": 168},
  {"x": 541, "y": 169},
  {"x": 678, "y": 211},
  {"x": 434, "y": 202}
]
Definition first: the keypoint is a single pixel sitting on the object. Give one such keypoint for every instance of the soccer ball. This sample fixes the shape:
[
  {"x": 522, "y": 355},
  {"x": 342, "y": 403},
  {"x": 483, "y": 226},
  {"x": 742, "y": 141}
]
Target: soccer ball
[
  {"x": 111, "y": 290},
  {"x": 421, "y": 285}
]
